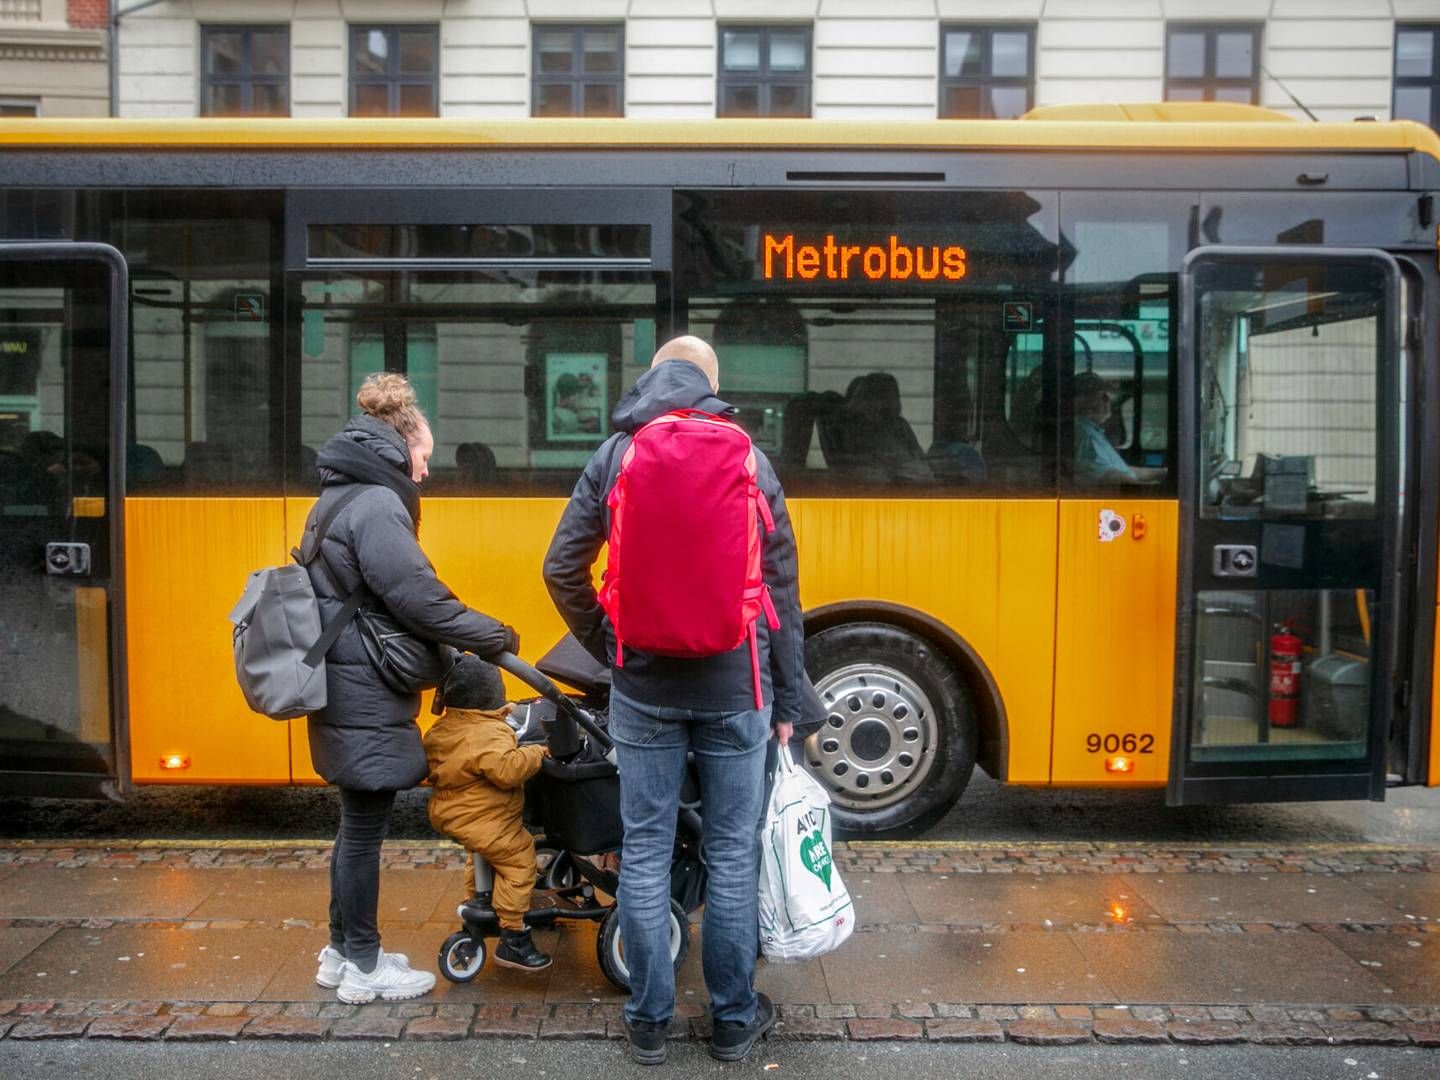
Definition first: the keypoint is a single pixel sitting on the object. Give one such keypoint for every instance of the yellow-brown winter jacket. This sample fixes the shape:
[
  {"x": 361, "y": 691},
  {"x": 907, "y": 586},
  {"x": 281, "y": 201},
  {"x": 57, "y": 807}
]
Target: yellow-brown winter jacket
[{"x": 478, "y": 773}]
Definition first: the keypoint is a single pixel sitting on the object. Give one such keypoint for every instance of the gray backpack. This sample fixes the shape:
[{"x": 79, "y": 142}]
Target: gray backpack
[{"x": 279, "y": 643}]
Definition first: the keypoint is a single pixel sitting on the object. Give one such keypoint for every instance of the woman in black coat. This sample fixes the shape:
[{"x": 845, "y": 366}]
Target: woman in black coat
[{"x": 366, "y": 740}]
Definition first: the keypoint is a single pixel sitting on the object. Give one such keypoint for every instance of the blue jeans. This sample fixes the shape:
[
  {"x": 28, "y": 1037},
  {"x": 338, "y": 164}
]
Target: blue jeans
[{"x": 651, "y": 746}]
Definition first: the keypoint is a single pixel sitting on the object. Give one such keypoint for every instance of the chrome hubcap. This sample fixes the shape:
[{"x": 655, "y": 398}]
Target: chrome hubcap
[{"x": 877, "y": 744}]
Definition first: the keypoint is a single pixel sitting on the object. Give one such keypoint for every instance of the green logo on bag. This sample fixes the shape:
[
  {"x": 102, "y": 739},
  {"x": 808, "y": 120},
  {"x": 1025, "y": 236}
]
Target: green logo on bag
[{"x": 816, "y": 857}]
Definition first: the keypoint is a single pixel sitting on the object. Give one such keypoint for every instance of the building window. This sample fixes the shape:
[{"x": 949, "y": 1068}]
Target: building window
[
  {"x": 764, "y": 71},
  {"x": 578, "y": 70},
  {"x": 987, "y": 71},
  {"x": 246, "y": 70},
  {"x": 1415, "y": 73},
  {"x": 19, "y": 107},
  {"x": 1212, "y": 63},
  {"x": 394, "y": 70}
]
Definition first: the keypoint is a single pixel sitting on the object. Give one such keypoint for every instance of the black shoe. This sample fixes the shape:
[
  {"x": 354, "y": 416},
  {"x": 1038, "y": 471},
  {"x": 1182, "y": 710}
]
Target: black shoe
[
  {"x": 649, "y": 1042},
  {"x": 517, "y": 950},
  {"x": 732, "y": 1040}
]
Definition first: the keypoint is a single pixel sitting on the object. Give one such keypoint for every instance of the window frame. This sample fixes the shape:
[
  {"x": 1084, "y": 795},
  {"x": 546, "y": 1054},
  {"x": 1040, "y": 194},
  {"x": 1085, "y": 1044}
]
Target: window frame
[
  {"x": 762, "y": 78},
  {"x": 247, "y": 80},
  {"x": 393, "y": 80},
  {"x": 1209, "y": 82},
  {"x": 577, "y": 78},
  {"x": 21, "y": 103},
  {"x": 1430, "y": 82},
  {"x": 986, "y": 80}
]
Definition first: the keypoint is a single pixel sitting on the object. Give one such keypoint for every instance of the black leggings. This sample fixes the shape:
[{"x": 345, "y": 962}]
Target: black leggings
[{"x": 355, "y": 874}]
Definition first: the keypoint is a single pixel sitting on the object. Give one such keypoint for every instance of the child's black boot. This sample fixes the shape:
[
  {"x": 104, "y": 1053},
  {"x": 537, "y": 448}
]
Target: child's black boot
[{"x": 517, "y": 950}]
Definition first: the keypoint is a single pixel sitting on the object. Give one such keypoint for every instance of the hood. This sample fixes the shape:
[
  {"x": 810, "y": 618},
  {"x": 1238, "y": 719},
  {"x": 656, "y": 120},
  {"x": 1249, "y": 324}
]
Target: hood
[
  {"x": 675, "y": 384},
  {"x": 445, "y": 744},
  {"x": 370, "y": 451}
]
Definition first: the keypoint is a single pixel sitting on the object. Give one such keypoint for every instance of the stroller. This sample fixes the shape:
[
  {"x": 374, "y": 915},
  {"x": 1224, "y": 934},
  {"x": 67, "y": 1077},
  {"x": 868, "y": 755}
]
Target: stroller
[{"x": 575, "y": 801}]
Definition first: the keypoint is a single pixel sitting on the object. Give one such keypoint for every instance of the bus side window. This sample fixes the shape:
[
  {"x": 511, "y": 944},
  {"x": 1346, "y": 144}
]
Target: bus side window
[{"x": 1121, "y": 292}]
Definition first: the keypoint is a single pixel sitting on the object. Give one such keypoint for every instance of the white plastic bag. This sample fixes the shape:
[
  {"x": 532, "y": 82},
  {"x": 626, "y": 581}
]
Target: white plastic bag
[{"x": 805, "y": 909}]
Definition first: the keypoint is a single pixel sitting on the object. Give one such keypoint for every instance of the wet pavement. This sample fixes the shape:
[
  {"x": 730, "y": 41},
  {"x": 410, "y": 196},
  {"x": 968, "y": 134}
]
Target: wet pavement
[{"x": 1069, "y": 927}]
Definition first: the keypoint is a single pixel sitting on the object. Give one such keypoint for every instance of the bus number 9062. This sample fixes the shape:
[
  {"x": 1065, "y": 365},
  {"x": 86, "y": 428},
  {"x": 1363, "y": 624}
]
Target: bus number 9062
[{"x": 1120, "y": 744}]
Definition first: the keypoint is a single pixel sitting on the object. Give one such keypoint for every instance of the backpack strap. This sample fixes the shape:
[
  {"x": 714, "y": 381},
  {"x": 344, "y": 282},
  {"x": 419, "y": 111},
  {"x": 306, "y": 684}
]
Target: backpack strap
[{"x": 353, "y": 601}]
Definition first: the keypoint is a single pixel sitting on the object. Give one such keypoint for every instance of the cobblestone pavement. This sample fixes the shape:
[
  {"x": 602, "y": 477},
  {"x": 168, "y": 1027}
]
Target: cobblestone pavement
[{"x": 1050, "y": 945}]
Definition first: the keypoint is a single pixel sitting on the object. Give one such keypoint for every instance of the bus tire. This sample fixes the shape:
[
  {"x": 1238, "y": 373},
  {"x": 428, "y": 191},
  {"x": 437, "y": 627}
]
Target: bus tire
[{"x": 897, "y": 746}]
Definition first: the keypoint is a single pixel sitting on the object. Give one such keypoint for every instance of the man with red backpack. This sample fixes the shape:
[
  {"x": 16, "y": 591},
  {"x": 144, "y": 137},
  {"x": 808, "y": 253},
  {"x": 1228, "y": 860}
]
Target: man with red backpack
[{"x": 699, "y": 619}]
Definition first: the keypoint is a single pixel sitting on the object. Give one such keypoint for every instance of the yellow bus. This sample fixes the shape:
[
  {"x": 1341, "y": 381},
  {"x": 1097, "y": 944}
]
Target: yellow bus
[{"x": 1110, "y": 433}]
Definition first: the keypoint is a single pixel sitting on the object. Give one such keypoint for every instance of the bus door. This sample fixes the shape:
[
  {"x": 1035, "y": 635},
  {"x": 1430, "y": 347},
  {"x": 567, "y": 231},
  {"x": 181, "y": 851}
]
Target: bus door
[
  {"x": 62, "y": 396},
  {"x": 1289, "y": 462}
]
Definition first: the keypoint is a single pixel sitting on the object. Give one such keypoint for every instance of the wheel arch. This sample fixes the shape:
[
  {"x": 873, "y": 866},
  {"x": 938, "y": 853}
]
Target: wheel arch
[{"x": 993, "y": 751}]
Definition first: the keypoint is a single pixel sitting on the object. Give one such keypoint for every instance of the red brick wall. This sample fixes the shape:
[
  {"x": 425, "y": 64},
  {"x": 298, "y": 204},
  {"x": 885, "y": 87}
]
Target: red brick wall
[{"x": 87, "y": 14}]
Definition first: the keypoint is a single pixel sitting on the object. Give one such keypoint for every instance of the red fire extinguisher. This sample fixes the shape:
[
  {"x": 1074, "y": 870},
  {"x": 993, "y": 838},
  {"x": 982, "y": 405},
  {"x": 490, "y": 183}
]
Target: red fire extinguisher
[{"x": 1285, "y": 653}]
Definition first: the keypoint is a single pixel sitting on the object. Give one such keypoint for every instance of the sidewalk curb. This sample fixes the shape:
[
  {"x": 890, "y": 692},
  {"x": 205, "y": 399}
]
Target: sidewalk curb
[{"x": 1058, "y": 1025}]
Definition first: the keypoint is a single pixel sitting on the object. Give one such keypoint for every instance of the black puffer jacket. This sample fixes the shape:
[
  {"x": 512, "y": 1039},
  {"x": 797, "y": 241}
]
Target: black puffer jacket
[
  {"x": 721, "y": 683},
  {"x": 367, "y": 737}
]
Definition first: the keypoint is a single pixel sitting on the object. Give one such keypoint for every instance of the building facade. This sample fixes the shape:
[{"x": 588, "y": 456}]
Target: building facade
[
  {"x": 53, "y": 58},
  {"x": 830, "y": 59}
]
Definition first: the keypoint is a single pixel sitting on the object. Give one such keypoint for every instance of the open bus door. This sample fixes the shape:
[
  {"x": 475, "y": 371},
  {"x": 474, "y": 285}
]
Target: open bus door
[
  {"x": 1289, "y": 471},
  {"x": 62, "y": 467}
]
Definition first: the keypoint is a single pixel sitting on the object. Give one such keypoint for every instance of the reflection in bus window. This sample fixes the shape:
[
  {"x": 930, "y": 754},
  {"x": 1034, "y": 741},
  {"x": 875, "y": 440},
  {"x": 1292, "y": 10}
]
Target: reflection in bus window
[
  {"x": 1121, "y": 287},
  {"x": 518, "y": 371},
  {"x": 203, "y": 356},
  {"x": 1289, "y": 361},
  {"x": 874, "y": 341}
]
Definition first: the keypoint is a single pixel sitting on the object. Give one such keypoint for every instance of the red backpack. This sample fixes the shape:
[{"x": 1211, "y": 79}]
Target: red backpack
[{"x": 683, "y": 577}]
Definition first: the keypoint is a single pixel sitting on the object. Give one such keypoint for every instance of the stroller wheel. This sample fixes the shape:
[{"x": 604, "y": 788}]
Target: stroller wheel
[
  {"x": 461, "y": 957},
  {"x": 610, "y": 949}
]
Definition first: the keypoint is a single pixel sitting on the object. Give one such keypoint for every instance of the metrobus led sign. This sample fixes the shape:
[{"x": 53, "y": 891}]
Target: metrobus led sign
[{"x": 782, "y": 257}]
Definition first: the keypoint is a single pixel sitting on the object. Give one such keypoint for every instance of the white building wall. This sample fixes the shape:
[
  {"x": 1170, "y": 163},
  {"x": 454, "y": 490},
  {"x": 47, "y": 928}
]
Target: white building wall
[{"x": 872, "y": 59}]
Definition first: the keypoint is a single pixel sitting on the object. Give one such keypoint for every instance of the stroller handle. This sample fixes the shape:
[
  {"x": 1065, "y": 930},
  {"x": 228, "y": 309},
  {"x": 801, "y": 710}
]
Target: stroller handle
[{"x": 537, "y": 681}]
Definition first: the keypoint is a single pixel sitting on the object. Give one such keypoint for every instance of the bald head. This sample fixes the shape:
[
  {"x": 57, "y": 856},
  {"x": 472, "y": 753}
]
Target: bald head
[{"x": 696, "y": 351}]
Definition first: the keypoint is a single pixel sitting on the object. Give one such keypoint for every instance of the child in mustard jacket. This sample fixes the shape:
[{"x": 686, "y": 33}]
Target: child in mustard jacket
[{"x": 478, "y": 773}]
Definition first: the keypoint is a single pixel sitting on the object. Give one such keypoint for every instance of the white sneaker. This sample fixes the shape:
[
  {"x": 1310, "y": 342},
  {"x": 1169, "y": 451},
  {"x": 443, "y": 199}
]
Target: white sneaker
[
  {"x": 331, "y": 961},
  {"x": 392, "y": 980}
]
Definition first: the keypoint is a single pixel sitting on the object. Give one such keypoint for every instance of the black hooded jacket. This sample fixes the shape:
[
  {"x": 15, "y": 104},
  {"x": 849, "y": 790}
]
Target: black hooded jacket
[
  {"x": 721, "y": 683},
  {"x": 366, "y": 737}
]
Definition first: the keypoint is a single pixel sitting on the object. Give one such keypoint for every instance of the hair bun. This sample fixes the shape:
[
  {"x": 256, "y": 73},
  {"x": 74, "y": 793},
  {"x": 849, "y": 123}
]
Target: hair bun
[
  {"x": 384, "y": 394},
  {"x": 389, "y": 397}
]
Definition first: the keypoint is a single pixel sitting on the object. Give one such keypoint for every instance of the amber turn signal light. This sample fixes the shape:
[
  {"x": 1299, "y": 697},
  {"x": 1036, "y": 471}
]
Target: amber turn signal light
[
  {"x": 1119, "y": 764},
  {"x": 175, "y": 761}
]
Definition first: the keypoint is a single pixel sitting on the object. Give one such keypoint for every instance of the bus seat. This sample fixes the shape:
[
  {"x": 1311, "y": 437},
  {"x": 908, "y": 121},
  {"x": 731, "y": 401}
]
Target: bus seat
[
  {"x": 143, "y": 466},
  {"x": 805, "y": 413},
  {"x": 475, "y": 462}
]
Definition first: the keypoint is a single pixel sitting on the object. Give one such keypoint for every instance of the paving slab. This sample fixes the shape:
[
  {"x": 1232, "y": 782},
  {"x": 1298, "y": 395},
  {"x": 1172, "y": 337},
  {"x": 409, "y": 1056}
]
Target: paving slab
[
  {"x": 295, "y": 980},
  {"x": 1409, "y": 966},
  {"x": 1262, "y": 898},
  {"x": 17, "y": 942},
  {"x": 881, "y": 899},
  {"x": 799, "y": 983},
  {"x": 1025, "y": 965},
  {"x": 275, "y": 895},
  {"x": 151, "y": 963},
  {"x": 1409, "y": 894},
  {"x": 1297, "y": 968},
  {"x": 1025, "y": 898},
  {"x": 102, "y": 893}
]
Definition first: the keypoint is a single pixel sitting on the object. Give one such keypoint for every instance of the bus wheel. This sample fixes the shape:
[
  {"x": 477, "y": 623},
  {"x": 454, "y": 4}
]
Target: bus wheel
[{"x": 898, "y": 742}]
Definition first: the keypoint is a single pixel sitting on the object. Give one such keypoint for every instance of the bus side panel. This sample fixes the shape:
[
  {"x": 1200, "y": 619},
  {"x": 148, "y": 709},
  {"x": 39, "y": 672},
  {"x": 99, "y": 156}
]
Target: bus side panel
[
  {"x": 490, "y": 552},
  {"x": 1114, "y": 675},
  {"x": 186, "y": 562},
  {"x": 985, "y": 568}
]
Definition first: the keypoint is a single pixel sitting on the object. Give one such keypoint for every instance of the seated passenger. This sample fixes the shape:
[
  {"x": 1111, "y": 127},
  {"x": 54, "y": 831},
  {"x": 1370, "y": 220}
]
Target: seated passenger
[
  {"x": 957, "y": 463},
  {"x": 478, "y": 773},
  {"x": 879, "y": 444},
  {"x": 1097, "y": 462}
]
